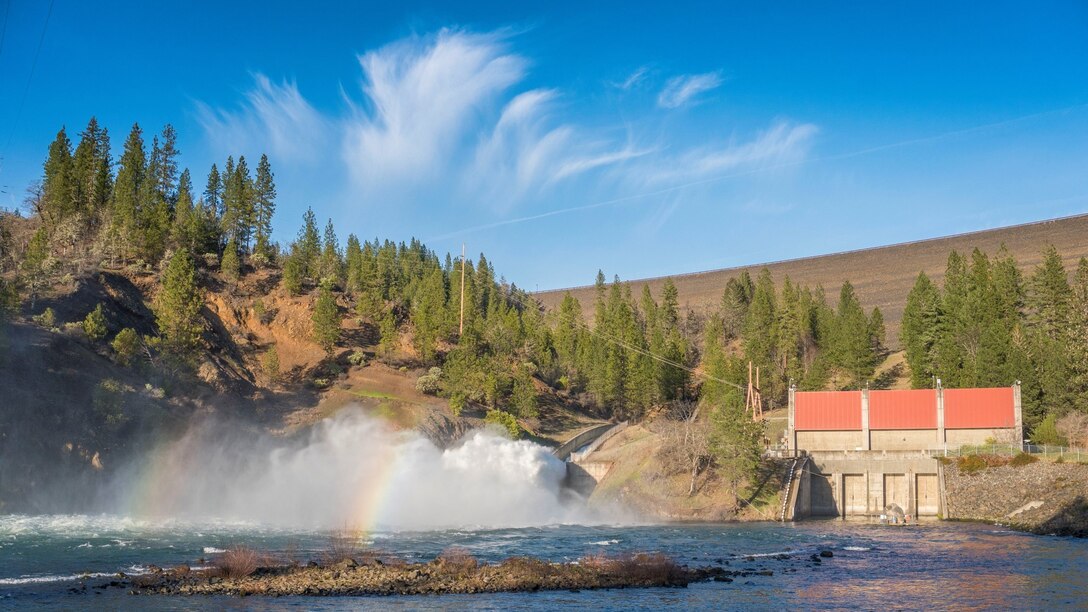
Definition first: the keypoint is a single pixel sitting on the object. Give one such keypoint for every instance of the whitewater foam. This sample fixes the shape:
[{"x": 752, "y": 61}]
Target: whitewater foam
[
  {"x": 48, "y": 578},
  {"x": 353, "y": 472}
]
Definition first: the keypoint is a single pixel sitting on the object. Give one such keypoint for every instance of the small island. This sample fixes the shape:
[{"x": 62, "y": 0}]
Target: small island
[{"x": 244, "y": 572}]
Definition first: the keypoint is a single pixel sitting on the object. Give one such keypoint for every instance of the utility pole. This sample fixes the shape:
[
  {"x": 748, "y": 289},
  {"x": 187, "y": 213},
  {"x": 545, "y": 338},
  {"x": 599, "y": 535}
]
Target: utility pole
[{"x": 461, "y": 330}]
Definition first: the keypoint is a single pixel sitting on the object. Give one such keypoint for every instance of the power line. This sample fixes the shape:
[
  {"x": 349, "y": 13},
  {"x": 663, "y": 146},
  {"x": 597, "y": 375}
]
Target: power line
[{"x": 30, "y": 79}]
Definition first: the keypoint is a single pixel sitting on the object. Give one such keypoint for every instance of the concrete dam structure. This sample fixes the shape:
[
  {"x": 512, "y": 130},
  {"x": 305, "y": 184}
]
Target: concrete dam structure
[{"x": 873, "y": 453}]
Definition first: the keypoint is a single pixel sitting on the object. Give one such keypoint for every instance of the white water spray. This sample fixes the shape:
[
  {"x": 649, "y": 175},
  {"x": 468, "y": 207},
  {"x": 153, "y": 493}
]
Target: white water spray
[{"x": 352, "y": 471}]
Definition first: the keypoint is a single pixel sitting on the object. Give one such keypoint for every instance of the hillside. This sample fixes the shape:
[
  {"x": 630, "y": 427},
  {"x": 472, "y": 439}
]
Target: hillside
[
  {"x": 882, "y": 276},
  {"x": 72, "y": 412}
]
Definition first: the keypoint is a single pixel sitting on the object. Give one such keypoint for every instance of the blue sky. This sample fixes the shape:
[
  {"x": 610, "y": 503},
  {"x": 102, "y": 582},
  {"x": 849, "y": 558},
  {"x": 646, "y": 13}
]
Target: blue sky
[{"x": 560, "y": 138}]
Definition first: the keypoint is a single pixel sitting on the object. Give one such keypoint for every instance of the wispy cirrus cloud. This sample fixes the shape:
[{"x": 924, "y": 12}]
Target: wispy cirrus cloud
[
  {"x": 449, "y": 120},
  {"x": 635, "y": 78},
  {"x": 781, "y": 145},
  {"x": 272, "y": 117},
  {"x": 422, "y": 97},
  {"x": 681, "y": 90}
]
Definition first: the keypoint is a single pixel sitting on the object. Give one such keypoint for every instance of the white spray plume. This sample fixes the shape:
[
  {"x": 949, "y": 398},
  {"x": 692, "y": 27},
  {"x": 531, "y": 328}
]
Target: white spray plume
[{"x": 353, "y": 471}]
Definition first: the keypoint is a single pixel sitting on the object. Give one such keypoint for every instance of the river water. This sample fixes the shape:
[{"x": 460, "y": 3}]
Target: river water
[{"x": 930, "y": 566}]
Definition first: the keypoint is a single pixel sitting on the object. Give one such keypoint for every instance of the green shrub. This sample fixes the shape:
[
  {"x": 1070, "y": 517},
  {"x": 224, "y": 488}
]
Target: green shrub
[
  {"x": 47, "y": 319},
  {"x": 126, "y": 344},
  {"x": 457, "y": 404},
  {"x": 231, "y": 265},
  {"x": 108, "y": 401},
  {"x": 504, "y": 420},
  {"x": 971, "y": 464},
  {"x": 357, "y": 358},
  {"x": 1046, "y": 432},
  {"x": 270, "y": 363},
  {"x": 1023, "y": 459},
  {"x": 430, "y": 382},
  {"x": 94, "y": 325}
]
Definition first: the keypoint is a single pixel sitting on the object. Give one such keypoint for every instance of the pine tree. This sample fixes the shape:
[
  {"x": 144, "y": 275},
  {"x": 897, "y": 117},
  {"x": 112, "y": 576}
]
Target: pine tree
[
  {"x": 428, "y": 312},
  {"x": 1050, "y": 296},
  {"x": 523, "y": 398},
  {"x": 264, "y": 201},
  {"x": 125, "y": 201},
  {"x": 1050, "y": 302},
  {"x": 188, "y": 225},
  {"x": 238, "y": 203},
  {"x": 672, "y": 380},
  {"x": 951, "y": 358},
  {"x": 331, "y": 266},
  {"x": 735, "y": 443},
  {"x": 568, "y": 329},
  {"x": 213, "y": 193},
  {"x": 308, "y": 246},
  {"x": 761, "y": 323},
  {"x": 715, "y": 390},
  {"x": 270, "y": 363},
  {"x": 851, "y": 348},
  {"x": 58, "y": 181},
  {"x": 353, "y": 261},
  {"x": 91, "y": 168},
  {"x": 293, "y": 273},
  {"x": 1078, "y": 335},
  {"x": 166, "y": 165},
  {"x": 94, "y": 324},
  {"x": 877, "y": 333},
  {"x": 326, "y": 321},
  {"x": 231, "y": 265},
  {"x": 791, "y": 333},
  {"x": 178, "y": 304},
  {"x": 126, "y": 344},
  {"x": 153, "y": 207},
  {"x": 735, "y": 302},
  {"x": 919, "y": 330}
]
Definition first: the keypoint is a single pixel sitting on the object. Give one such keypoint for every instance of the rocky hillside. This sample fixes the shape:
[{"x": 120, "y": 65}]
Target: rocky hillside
[
  {"x": 73, "y": 410},
  {"x": 1042, "y": 497}
]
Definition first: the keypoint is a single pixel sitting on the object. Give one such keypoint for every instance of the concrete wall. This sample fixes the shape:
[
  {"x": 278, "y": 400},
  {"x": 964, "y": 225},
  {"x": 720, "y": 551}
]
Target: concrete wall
[
  {"x": 565, "y": 449},
  {"x": 864, "y": 483},
  {"x": 829, "y": 440},
  {"x": 975, "y": 437},
  {"x": 903, "y": 439}
]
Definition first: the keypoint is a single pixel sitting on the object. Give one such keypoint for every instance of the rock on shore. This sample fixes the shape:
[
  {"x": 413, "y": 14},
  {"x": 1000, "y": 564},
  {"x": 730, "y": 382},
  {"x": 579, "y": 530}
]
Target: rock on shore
[{"x": 1042, "y": 497}]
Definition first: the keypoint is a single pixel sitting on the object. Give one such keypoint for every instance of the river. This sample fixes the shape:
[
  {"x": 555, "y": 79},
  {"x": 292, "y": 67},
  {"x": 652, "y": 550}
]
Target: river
[{"x": 929, "y": 566}]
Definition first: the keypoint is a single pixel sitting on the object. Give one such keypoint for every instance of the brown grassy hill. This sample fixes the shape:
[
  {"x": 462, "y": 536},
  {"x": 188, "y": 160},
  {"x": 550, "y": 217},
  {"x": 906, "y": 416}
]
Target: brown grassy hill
[{"x": 882, "y": 276}]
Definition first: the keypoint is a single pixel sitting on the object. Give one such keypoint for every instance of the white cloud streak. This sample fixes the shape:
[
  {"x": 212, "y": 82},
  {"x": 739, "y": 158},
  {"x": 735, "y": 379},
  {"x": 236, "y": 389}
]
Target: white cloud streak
[
  {"x": 421, "y": 98},
  {"x": 681, "y": 90},
  {"x": 447, "y": 118},
  {"x": 273, "y": 118},
  {"x": 781, "y": 145}
]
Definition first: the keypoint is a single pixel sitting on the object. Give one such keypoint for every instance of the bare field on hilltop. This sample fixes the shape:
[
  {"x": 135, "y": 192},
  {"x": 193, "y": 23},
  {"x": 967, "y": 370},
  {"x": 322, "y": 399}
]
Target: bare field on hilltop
[{"x": 882, "y": 276}]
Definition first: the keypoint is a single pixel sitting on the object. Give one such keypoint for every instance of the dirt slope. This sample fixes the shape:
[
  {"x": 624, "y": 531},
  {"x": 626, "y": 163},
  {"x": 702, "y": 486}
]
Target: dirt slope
[{"x": 882, "y": 276}]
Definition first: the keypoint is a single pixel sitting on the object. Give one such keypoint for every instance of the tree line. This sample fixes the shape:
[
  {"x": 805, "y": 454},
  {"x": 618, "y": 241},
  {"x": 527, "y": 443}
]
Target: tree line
[
  {"x": 989, "y": 326},
  {"x": 144, "y": 206}
]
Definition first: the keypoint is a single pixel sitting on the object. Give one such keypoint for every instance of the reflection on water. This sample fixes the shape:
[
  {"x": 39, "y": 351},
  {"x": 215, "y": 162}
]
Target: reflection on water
[{"x": 931, "y": 566}]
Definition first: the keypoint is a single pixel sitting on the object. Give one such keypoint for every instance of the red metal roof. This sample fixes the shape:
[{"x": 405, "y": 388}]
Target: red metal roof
[
  {"x": 906, "y": 409},
  {"x": 979, "y": 408},
  {"x": 827, "y": 411}
]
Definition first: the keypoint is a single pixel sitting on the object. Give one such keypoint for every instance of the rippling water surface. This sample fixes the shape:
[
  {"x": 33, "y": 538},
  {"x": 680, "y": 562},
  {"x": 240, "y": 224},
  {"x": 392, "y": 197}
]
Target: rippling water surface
[{"x": 938, "y": 565}]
